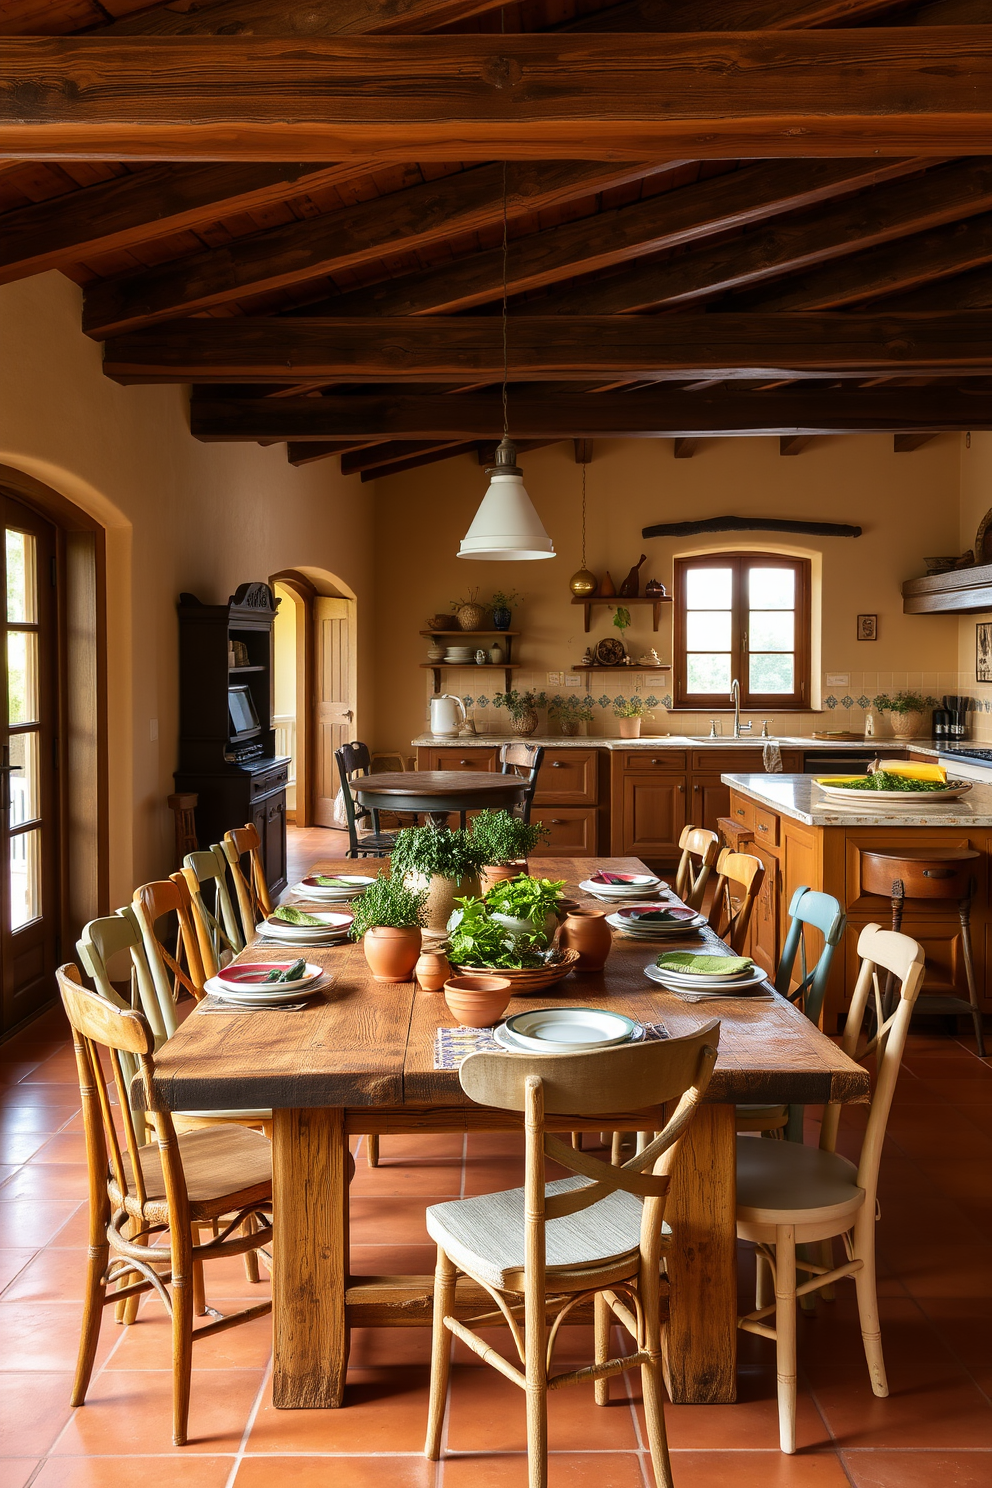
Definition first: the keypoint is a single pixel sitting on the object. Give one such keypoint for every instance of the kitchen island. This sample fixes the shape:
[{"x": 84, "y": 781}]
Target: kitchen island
[{"x": 803, "y": 836}]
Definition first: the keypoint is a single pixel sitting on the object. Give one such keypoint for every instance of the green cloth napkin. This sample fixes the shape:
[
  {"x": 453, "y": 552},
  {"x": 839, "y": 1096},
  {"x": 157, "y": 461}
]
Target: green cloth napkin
[{"x": 704, "y": 965}]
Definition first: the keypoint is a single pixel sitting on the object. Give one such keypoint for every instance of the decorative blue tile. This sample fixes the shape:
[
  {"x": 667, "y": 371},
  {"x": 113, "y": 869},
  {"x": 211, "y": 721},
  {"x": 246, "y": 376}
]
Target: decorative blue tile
[
  {"x": 482, "y": 702},
  {"x": 864, "y": 702},
  {"x": 467, "y": 701},
  {"x": 620, "y": 699},
  {"x": 847, "y": 701},
  {"x": 604, "y": 701},
  {"x": 666, "y": 701},
  {"x": 652, "y": 701},
  {"x": 831, "y": 702}
]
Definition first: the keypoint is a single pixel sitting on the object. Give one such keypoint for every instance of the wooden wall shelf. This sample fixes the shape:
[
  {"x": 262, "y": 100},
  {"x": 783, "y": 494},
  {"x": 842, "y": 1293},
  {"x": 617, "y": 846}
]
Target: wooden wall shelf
[
  {"x": 956, "y": 593},
  {"x": 657, "y": 600},
  {"x": 437, "y": 667},
  {"x": 454, "y": 633}
]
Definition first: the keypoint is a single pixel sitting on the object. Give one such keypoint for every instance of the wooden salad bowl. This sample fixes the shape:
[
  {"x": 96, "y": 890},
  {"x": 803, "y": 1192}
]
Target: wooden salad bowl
[{"x": 527, "y": 979}]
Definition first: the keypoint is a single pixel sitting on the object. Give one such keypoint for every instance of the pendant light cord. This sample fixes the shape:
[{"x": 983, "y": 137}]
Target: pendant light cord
[
  {"x": 506, "y": 420},
  {"x": 583, "y": 564}
]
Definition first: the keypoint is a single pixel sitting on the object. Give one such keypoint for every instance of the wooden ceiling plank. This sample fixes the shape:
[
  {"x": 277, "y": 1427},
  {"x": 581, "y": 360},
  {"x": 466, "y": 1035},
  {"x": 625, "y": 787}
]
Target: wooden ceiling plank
[
  {"x": 702, "y": 96},
  {"x": 143, "y": 206},
  {"x": 718, "y": 204},
  {"x": 653, "y": 414},
  {"x": 432, "y": 457},
  {"x": 351, "y": 235},
  {"x": 662, "y": 346},
  {"x": 390, "y": 452},
  {"x": 307, "y": 454},
  {"x": 281, "y": 18},
  {"x": 730, "y": 15},
  {"x": 793, "y": 444},
  {"x": 905, "y": 444},
  {"x": 962, "y": 292}
]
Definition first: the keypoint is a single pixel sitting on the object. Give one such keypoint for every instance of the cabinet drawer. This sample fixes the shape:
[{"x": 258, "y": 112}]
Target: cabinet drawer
[
  {"x": 665, "y": 759},
  {"x": 571, "y": 832},
  {"x": 728, "y": 761},
  {"x": 742, "y": 811},
  {"x": 460, "y": 758},
  {"x": 765, "y": 827},
  {"x": 269, "y": 780},
  {"x": 568, "y": 777}
]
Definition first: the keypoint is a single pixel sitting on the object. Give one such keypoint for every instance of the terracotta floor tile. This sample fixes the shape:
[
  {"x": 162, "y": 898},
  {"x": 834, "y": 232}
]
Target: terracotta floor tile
[
  {"x": 433, "y": 1175},
  {"x": 131, "y": 1411},
  {"x": 342, "y": 1472},
  {"x": 565, "y": 1470},
  {"x": 7, "y": 1171},
  {"x": 45, "y": 1119},
  {"x": 48, "y": 1181},
  {"x": 12, "y": 1263},
  {"x": 49, "y": 1275},
  {"x": 35, "y": 1408},
  {"x": 45, "y": 1335},
  {"x": 756, "y": 1470},
  {"x": 394, "y": 1260},
  {"x": 13, "y": 1069},
  {"x": 147, "y": 1344},
  {"x": 751, "y": 1422},
  {"x": 15, "y": 1471},
  {"x": 965, "y": 1326},
  {"x": 191, "y": 1471},
  {"x": 34, "y": 1220},
  {"x": 75, "y": 1232},
  {"x": 960, "y": 1093},
  {"x": 64, "y": 1093},
  {"x": 385, "y": 1411},
  {"x": 399, "y": 1219},
  {"x": 486, "y": 1412},
  {"x": 18, "y": 1146},
  {"x": 940, "y": 1267},
  {"x": 918, "y": 1469},
  {"x": 64, "y": 1147}
]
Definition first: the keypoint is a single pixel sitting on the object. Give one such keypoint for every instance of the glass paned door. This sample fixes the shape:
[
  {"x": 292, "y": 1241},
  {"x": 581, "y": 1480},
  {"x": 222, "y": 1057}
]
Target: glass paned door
[{"x": 29, "y": 915}]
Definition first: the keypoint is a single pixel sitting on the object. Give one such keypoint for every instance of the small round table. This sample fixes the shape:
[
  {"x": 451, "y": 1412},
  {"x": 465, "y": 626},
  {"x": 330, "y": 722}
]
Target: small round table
[{"x": 435, "y": 793}]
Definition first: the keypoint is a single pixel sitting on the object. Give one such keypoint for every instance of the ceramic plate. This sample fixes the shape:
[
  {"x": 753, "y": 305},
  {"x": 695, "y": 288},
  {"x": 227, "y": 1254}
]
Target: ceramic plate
[
  {"x": 637, "y": 889},
  {"x": 332, "y": 922},
  {"x": 251, "y": 974},
  {"x": 513, "y": 1045},
  {"x": 726, "y": 987},
  {"x": 550, "y": 1030},
  {"x": 625, "y": 880},
  {"x": 347, "y": 885},
  {"x": 272, "y": 997},
  {"x": 954, "y": 790}
]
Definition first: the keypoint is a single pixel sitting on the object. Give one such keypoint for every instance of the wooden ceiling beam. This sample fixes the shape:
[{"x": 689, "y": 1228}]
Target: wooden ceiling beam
[
  {"x": 282, "y": 18},
  {"x": 307, "y": 454},
  {"x": 400, "y": 222},
  {"x": 389, "y": 452},
  {"x": 905, "y": 444},
  {"x": 963, "y": 292},
  {"x": 684, "y": 449},
  {"x": 667, "y": 16},
  {"x": 702, "y": 96},
  {"x": 718, "y": 204},
  {"x": 659, "y": 413},
  {"x": 429, "y": 457},
  {"x": 793, "y": 444}
]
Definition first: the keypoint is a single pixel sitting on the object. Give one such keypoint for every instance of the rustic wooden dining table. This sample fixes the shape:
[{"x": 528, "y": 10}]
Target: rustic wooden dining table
[
  {"x": 359, "y": 1059},
  {"x": 435, "y": 793}
]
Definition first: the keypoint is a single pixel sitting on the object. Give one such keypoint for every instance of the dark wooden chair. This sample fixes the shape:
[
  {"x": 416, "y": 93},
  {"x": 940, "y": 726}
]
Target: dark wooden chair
[
  {"x": 524, "y": 760},
  {"x": 354, "y": 759}
]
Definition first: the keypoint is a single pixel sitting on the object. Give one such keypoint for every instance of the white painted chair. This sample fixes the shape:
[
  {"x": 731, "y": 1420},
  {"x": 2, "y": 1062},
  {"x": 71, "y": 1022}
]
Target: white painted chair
[
  {"x": 216, "y": 921},
  {"x": 789, "y": 1195}
]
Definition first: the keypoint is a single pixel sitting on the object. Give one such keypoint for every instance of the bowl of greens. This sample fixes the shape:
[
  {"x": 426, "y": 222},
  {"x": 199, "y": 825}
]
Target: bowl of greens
[
  {"x": 479, "y": 941},
  {"x": 883, "y": 785}
]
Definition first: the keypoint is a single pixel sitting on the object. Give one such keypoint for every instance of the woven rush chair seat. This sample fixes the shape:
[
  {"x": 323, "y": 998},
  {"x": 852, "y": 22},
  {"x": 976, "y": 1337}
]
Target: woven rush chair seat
[
  {"x": 485, "y": 1235},
  {"x": 232, "y": 1158},
  {"x": 807, "y": 1181}
]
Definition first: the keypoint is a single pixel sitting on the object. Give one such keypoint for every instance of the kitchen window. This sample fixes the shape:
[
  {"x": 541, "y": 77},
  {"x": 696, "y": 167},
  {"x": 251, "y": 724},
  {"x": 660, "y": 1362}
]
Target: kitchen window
[{"x": 743, "y": 615}]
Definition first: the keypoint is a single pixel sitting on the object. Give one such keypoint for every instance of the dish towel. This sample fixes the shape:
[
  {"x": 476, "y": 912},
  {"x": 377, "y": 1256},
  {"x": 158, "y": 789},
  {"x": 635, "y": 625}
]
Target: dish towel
[
  {"x": 452, "y": 1045},
  {"x": 771, "y": 758}
]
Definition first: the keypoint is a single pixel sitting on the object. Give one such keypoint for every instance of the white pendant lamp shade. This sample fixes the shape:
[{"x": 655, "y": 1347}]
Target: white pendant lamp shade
[{"x": 506, "y": 526}]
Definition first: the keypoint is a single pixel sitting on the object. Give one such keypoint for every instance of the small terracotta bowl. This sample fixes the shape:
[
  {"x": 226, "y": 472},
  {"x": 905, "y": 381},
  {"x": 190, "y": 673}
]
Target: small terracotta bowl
[{"x": 477, "y": 1001}]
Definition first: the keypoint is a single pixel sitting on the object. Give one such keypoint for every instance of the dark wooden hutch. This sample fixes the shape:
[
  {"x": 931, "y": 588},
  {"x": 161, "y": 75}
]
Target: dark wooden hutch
[{"x": 226, "y": 739}]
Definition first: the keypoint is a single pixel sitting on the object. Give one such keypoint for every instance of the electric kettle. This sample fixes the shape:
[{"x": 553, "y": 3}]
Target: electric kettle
[{"x": 447, "y": 715}]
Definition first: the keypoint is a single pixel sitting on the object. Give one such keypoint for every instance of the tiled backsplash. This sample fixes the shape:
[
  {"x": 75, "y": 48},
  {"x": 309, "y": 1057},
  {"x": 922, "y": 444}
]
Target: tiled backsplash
[{"x": 843, "y": 708}]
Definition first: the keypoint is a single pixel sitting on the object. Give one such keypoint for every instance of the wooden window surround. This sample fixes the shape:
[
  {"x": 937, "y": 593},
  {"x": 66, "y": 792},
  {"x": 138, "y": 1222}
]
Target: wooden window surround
[{"x": 743, "y": 615}]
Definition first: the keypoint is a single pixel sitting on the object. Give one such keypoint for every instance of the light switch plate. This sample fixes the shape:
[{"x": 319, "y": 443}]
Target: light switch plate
[
  {"x": 571, "y": 680},
  {"x": 152, "y": 729},
  {"x": 556, "y": 679},
  {"x": 838, "y": 679}
]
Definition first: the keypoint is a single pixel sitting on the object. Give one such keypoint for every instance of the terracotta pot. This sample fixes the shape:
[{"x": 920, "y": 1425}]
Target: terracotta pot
[
  {"x": 569, "y": 727},
  {"x": 391, "y": 952},
  {"x": 630, "y": 728},
  {"x": 906, "y": 725},
  {"x": 526, "y": 723},
  {"x": 441, "y": 895},
  {"x": 586, "y": 931},
  {"x": 470, "y": 616},
  {"x": 477, "y": 1001},
  {"x": 494, "y": 873},
  {"x": 432, "y": 970}
]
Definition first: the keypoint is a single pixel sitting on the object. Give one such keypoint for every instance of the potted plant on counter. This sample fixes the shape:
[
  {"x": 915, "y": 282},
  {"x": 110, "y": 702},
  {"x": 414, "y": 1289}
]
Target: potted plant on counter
[
  {"x": 571, "y": 713},
  {"x": 502, "y": 843},
  {"x": 501, "y": 608},
  {"x": 439, "y": 861},
  {"x": 522, "y": 708},
  {"x": 388, "y": 920},
  {"x": 630, "y": 711},
  {"x": 907, "y": 710}
]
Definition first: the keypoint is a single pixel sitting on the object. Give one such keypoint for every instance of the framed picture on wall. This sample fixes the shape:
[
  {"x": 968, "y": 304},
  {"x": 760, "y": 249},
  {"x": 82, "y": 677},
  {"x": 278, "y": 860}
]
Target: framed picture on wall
[
  {"x": 867, "y": 627},
  {"x": 983, "y": 651}
]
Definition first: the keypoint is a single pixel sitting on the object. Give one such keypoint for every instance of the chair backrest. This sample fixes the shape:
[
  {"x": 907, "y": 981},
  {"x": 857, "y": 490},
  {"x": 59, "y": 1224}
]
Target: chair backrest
[
  {"x": 166, "y": 972},
  {"x": 825, "y": 914},
  {"x": 98, "y": 1023},
  {"x": 902, "y": 957},
  {"x": 524, "y": 760},
  {"x": 607, "y": 1081},
  {"x": 700, "y": 850},
  {"x": 731, "y": 915},
  {"x": 352, "y": 759},
  {"x": 219, "y": 921},
  {"x": 183, "y": 807},
  {"x": 251, "y": 890},
  {"x": 107, "y": 937}
]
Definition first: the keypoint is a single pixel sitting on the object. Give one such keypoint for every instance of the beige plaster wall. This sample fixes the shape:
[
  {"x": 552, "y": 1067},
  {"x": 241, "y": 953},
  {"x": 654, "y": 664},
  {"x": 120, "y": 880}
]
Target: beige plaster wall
[
  {"x": 907, "y": 505},
  {"x": 179, "y": 516},
  {"x": 976, "y": 498}
]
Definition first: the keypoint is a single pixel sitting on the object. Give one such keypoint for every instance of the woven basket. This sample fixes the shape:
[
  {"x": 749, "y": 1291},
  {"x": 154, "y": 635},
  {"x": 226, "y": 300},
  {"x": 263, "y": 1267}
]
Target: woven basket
[{"x": 528, "y": 979}]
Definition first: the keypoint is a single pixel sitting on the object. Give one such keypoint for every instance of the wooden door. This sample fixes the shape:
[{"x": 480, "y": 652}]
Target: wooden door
[
  {"x": 29, "y": 837},
  {"x": 334, "y": 699},
  {"x": 652, "y": 816}
]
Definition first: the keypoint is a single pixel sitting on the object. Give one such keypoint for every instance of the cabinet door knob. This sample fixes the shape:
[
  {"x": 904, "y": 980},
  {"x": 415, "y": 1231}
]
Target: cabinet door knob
[
  {"x": 465, "y": 762},
  {"x": 681, "y": 788},
  {"x": 656, "y": 762},
  {"x": 556, "y": 764},
  {"x": 695, "y": 787},
  {"x": 557, "y": 821}
]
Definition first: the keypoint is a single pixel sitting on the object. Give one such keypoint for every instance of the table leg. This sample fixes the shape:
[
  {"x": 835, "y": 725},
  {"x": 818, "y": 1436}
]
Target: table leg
[
  {"x": 701, "y": 1338},
  {"x": 310, "y": 1258}
]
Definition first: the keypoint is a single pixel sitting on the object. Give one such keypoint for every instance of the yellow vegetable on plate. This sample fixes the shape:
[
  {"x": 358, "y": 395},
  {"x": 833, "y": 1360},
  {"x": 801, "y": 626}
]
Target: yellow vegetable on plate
[{"x": 916, "y": 770}]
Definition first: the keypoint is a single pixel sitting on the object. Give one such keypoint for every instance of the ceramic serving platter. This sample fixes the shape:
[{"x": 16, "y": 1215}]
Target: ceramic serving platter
[
  {"x": 345, "y": 886},
  {"x": 723, "y": 987},
  {"x": 953, "y": 791},
  {"x": 564, "y": 1029},
  {"x": 274, "y": 996},
  {"x": 332, "y": 924},
  {"x": 513, "y": 1045},
  {"x": 250, "y": 974}
]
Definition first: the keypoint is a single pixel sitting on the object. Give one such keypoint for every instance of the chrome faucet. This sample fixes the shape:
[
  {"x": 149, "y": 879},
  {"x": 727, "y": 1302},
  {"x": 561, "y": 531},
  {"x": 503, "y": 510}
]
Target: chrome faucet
[{"x": 735, "y": 698}]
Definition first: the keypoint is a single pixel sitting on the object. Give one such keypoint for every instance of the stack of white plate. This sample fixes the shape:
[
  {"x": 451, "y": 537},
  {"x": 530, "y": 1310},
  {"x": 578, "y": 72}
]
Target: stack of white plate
[
  {"x": 334, "y": 926},
  {"x": 460, "y": 655},
  {"x": 698, "y": 986},
  {"x": 564, "y": 1030},
  {"x": 628, "y": 920},
  {"x": 631, "y": 886},
  {"x": 343, "y": 886},
  {"x": 244, "y": 984}
]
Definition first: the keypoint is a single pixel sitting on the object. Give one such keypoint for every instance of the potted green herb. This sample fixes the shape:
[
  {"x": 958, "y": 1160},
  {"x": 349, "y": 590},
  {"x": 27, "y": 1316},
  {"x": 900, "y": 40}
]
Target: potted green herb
[
  {"x": 630, "y": 711},
  {"x": 522, "y": 708},
  {"x": 526, "y": 905},
  {"x": 477, "y": 939},
  {"x": 908, "y": 712},
  {"x": 501, "y": 606},
  {"x": 440, "y": 861},
  {"x": 388, "y": 920},
  {"x": 502, "y": 843},
  {"x": 571, "y": 713}
]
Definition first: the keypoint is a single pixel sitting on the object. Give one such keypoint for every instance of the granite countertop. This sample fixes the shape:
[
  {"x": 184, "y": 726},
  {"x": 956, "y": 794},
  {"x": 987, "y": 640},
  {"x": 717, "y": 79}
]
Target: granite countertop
[
  {"x": 667, "y": 741},
  {"x": 798, "y": 797}
]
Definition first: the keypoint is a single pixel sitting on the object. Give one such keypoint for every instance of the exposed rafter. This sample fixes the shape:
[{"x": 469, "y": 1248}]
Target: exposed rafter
[{"x": 283, "y": 18}]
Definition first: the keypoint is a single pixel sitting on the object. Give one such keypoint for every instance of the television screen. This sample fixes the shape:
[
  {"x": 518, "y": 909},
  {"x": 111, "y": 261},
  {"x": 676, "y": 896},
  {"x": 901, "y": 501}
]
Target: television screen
[{"x": 244, "y": 719}]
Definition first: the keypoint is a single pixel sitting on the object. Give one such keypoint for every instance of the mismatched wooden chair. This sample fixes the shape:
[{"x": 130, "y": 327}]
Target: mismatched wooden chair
[
  {"x": 730, "y": 914},
  {"x": 700, "y": 850},
  {"x": 524, "y": 760},
  {"x": 171, "y": 974},
  {"x": 547, "y": 1246},
  {"x": 251, "y": 889},
  {"x": 354, "y": 760},
  {"x": 822, "y": 912},
  {"x": 789, "y": 1194},
  {"x": 183, "y": 808},
  {"x": 216, "y": 921},
  {"x": 169, "y": 1186}
]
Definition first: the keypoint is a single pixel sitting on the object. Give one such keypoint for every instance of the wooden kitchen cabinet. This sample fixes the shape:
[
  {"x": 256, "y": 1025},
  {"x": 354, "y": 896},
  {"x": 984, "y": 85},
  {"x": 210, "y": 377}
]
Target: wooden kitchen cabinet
[
  {"x": 572, "y": 831},
  {"x": 457, "y": 757},
  {"x": 568, "y": 777},
  {"x": 764, "y": 931},
  {"x": 648, "y": 815}
]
